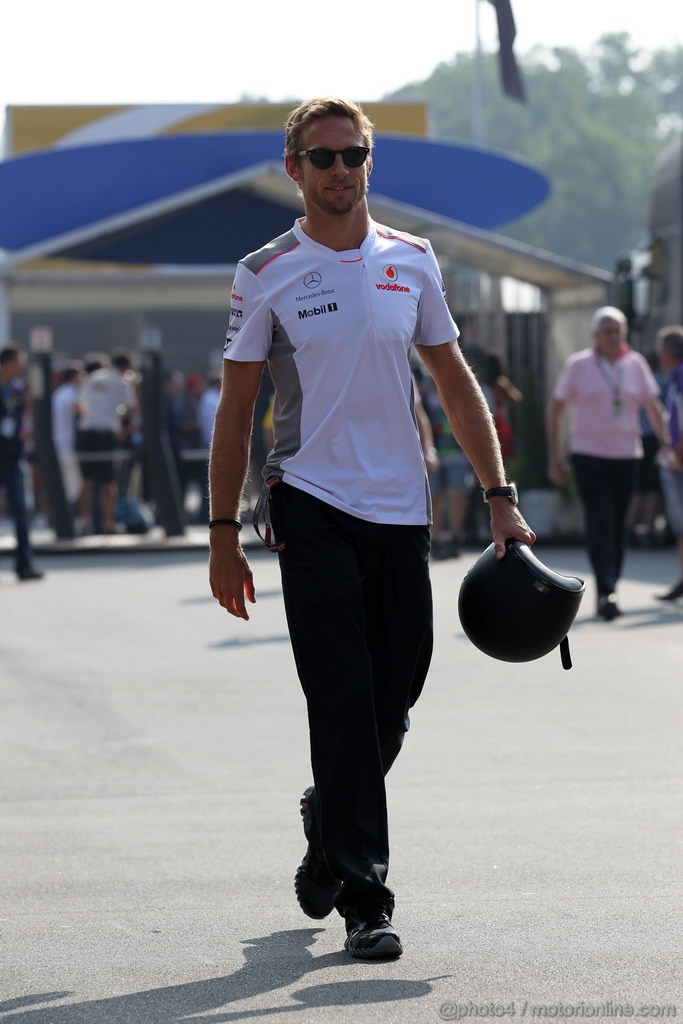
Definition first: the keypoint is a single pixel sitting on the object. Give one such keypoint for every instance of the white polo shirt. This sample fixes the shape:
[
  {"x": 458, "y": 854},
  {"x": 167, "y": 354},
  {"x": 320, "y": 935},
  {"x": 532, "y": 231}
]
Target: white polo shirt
[
  {"x": 104, "y": 395},
  {"x": 336, "y": 329},
  {"x": 64, "y": 400}
]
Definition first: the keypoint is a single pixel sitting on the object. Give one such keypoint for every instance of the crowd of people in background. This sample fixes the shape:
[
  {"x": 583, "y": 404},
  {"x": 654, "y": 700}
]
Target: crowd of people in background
[{"x": 98, "y": 431}]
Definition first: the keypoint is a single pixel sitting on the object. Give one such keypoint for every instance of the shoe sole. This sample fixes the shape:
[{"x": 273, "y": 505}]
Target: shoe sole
[
  {"x": 316, "y": 901},
  {"x": 387, "y": 948}
]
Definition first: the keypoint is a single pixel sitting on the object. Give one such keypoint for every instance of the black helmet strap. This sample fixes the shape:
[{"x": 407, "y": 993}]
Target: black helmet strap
[{"x": 564, "y": 653}]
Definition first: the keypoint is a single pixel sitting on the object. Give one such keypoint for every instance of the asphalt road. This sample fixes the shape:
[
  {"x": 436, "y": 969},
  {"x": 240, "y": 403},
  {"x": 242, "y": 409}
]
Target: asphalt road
[{"x": 152, "y": 755}]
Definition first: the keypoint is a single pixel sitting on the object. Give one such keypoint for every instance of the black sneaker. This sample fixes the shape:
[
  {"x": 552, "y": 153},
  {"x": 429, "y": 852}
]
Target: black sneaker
[
  {"x": 370, "y": 934},
  {"x": 608, "y": 609},
  {"x": 314, "y": 884},
  {"x": 373, "y": 937},
  {"x": 672, "y": 595},
  {"x": 29, "y": 573}
]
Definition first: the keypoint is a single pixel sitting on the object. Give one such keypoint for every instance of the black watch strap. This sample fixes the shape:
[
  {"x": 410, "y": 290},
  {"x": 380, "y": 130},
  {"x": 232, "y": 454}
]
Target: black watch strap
[{"x": 509, "y": 491}]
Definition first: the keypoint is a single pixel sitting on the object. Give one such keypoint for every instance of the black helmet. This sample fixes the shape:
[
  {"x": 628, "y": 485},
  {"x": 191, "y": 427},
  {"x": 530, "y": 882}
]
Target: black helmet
[{"x": 515, "y": 608}]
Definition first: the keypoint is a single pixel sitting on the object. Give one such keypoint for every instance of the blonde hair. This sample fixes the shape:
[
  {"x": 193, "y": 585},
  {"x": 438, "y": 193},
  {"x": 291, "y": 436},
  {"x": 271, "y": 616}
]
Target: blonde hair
[{"x": 313, "y": 110}]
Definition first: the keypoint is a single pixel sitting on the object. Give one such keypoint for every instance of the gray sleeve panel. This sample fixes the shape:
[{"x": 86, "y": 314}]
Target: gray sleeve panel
[
  {"x": 256, "y": 261},
  {"x": 288, "y": 399},
  {"x": 403, "y": 236}
]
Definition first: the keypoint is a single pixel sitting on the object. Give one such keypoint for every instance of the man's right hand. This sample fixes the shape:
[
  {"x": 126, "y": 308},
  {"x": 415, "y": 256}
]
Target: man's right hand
[{"x": 230, "y": 576}]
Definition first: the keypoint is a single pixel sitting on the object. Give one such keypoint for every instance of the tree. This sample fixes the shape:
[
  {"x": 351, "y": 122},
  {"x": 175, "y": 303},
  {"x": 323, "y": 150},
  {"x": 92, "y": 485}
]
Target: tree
[{"x": 594, "y": 123}]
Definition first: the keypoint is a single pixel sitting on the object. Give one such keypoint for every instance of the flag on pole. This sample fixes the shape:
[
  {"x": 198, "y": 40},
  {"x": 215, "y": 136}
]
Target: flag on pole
[{"x": 509, "y": 71}]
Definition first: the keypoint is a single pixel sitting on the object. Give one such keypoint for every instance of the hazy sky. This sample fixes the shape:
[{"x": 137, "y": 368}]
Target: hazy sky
[{"x": 213, "y": 51}]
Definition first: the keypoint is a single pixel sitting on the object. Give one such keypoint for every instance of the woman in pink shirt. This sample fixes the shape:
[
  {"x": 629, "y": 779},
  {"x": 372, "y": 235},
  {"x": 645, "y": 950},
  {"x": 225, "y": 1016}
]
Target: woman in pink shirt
[{"x": 605, "y": 387}]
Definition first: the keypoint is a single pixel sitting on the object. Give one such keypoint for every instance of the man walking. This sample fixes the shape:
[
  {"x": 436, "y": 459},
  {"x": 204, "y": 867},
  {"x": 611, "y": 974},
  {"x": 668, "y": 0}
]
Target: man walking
[
  {"x": 670, "y": 348},
  {"x": 334, "y": 305},
  {"x": 64, "y": 419},
  {"x": 605, "y": 386},
  {"x": 12, "y": 409},
  {"x": 105, "y": 398}
]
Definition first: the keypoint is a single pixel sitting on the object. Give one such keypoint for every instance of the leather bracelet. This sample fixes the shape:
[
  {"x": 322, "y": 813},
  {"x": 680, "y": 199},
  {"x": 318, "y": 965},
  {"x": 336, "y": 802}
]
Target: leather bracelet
[{"x": 225, "y": 522}]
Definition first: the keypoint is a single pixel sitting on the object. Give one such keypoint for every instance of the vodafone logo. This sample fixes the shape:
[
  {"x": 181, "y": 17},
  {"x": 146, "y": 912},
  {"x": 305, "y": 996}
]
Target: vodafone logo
[{"x": 391, "y": 274}]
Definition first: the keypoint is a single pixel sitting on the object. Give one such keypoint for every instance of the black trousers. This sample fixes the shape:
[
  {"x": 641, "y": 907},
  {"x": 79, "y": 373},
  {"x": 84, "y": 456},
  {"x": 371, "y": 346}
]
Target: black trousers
[
  {"x": 359, "y": 611},
  {"x": 12, "y": 479},
  {"x": 605, "y": 487}
]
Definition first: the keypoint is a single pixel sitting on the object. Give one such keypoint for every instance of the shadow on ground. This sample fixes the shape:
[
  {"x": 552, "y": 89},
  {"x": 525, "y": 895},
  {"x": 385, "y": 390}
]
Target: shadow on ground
[{"x": 272, "y": 962}]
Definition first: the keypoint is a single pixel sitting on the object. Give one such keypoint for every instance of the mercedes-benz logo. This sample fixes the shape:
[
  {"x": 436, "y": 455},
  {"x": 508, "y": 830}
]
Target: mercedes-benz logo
[{"x": 312, "y": 280}]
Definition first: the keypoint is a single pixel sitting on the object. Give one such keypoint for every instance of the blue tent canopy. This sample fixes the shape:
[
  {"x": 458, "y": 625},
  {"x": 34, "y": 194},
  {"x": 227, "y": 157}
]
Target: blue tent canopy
[{"x": 210, "y": 198}]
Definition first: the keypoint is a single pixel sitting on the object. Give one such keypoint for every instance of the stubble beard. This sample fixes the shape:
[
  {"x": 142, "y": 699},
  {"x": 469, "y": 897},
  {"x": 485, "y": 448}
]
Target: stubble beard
[{"x": 341, "y": 209}]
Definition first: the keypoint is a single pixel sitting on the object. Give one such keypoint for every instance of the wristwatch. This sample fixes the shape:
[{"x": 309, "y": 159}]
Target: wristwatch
[{"x": 509, "y": 492}]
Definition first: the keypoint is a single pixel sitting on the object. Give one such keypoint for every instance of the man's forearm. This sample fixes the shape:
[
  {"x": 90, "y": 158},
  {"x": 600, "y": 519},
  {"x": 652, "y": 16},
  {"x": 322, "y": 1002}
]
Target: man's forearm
[
  {"x": 553, "y": 431},
  {"x": 228, "y": 463},
  {"x": 230, "y": 576},
  {"x": 473, "y": 426},
  {"x": 468, "y": 414},
  {"x": 231, "y": 439}
]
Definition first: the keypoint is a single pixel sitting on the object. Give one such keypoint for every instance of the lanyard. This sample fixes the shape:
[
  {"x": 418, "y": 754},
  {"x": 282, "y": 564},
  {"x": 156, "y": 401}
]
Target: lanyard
[
  {"x": 262, "y": 520},
  {"x": 614, "y": 381}
]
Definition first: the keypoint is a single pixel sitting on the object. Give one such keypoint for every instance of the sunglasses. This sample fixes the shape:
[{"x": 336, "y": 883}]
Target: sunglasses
[{"x": 353, "y": 156}]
